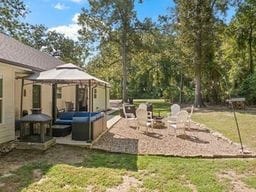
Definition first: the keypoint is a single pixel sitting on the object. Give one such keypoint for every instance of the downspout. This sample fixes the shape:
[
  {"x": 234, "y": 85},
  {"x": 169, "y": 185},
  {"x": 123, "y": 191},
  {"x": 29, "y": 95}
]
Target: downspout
[
  {"x": 106, "y": 106},
  {"x": 21, "y": 97},
  {"x": 92, "y": 94}
]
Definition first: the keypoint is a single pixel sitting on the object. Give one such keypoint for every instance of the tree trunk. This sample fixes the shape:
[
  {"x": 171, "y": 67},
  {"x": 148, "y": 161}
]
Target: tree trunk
[
  {"x": 198, "y": 59},
  {"x": 124, "y": 62},
  {"x": 251, "y": 66}
]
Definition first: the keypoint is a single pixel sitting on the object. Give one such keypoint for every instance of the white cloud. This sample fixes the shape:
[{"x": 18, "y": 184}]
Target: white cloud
[
  {"x": 70, "y": 30},
  {"x": 60, "y": 6},
  {"x": 75, "y": 18},
  {"x": 77, "y": 1}
]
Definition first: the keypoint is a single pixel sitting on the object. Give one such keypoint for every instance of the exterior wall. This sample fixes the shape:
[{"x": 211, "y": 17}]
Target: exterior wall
[
  {"x": 68, "y": 95},
  {"x": 99, "y": 101},
  {"x": 7, "y": 128},
  {"x": 46, "y": 97}
]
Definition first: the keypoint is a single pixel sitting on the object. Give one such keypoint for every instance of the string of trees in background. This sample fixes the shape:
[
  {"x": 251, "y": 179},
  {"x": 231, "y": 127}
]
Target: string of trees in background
[{"x": 193, "y": 54}]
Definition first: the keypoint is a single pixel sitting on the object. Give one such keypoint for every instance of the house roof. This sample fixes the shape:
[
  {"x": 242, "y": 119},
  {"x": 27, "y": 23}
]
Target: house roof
[{"x": 16, "y": 53}]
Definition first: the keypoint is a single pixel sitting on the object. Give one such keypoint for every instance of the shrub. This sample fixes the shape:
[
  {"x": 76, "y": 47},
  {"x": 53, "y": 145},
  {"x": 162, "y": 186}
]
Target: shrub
[{"x": 248, "y": 89}]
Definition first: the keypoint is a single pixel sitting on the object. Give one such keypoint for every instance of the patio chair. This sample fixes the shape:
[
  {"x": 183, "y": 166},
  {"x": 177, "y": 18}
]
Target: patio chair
[
  {"x": 129, "y": 112},
  {"x": 182, "y": 118},
  {"x": 69, "y": 106},
  {"x": 190, "y": 115},
  {"x": 175, "y": 108},
  {"x": 142, "y": 119},
  {"x": 145, "y": 107}
]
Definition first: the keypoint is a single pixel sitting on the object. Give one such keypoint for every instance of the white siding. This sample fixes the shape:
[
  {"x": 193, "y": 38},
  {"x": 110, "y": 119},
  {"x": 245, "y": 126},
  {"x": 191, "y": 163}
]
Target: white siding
[
  {"x": 7, "y": 131},
  {"x": 68, "y": 94},
  {"x": 99, "y": 101},
  {"x": 46, "y": 97}
]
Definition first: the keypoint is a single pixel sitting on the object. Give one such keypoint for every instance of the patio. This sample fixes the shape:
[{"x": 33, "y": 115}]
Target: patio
[{"x": 123, "y": 137}]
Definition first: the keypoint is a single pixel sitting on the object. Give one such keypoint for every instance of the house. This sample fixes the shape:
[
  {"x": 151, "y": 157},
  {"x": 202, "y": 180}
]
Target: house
[{"x": 18, "y": 96}]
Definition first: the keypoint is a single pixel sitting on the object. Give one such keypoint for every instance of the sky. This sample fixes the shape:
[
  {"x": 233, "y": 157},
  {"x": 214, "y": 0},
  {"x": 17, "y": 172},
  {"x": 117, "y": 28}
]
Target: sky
[{"x": 61, "y": 15}]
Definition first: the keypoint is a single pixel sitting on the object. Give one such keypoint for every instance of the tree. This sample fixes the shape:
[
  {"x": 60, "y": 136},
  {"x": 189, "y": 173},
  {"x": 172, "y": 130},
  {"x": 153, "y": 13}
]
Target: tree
[
  {"x": 196, "y": 26},
  {"x": 244, "y": 25},
  {"x": 113, "y": 21},
  {"x": 10, "y": 13},
  {"x": 67, "y": 49}
]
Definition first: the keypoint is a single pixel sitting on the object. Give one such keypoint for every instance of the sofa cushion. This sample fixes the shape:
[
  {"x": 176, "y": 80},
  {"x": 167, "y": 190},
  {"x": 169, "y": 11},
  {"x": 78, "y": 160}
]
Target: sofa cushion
[
  {"x": 63, "y": 122},
  {"x": 81, "y": 114},
  {"x": 66, "y": 115},
  {"x": 80, "y": 119},
  {"x": 93, "y": 118}
]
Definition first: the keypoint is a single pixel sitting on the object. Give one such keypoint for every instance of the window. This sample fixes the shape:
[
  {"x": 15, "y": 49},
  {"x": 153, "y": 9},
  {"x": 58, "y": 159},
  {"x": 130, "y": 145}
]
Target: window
[
  {"x": 59, "y": 93},
  {"x": 95, "y": 93},
  {"x": 36, "y": 103},
  {"x": 1, "y": 99}
]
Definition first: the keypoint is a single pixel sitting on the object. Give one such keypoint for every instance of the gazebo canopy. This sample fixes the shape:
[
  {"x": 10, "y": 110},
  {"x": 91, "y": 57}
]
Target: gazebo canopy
[{"x": 67, "y": 73}]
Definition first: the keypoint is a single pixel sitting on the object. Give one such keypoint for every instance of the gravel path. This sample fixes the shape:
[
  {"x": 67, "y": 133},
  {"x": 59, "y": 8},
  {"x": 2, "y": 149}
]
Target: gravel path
[{"x": 124, "y": 137}]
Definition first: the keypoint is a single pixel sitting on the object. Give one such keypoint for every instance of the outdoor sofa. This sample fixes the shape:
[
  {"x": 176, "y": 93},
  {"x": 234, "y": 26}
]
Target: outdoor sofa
[{"x": 81, "y": 123}]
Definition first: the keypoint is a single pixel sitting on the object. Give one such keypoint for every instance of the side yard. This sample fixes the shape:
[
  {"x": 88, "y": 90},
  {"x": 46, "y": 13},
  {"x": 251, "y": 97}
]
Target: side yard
[
  {"x": 63, "y": 168},
  {"x": 222, "y": 120}
]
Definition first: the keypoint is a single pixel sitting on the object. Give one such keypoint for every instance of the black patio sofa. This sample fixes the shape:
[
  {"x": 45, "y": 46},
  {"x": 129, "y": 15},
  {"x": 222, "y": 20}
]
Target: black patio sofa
[{"x": 81, "y": 122}]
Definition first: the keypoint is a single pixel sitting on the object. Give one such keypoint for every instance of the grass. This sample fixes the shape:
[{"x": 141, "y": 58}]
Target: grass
[
  {"x": 76, "y": 169},
  {"x": 100, "y": 171},
  {"x": 219, "y": 119},
  {"x": 160, "y": 107},
  {"x": 223, "y": 121}
]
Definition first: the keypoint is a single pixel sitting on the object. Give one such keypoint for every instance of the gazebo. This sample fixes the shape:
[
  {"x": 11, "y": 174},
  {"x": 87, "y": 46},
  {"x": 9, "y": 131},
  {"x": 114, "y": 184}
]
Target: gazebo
[{"x": 69, "y": 74}]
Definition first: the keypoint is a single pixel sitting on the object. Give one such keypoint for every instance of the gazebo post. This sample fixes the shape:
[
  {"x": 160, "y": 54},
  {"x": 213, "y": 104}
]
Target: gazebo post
[
  {"x": 54, "y": 102},
  {"x": 90, "y": 96},
  {"x": 90, "y": 110},
  {"x": 77, "y": 97}
]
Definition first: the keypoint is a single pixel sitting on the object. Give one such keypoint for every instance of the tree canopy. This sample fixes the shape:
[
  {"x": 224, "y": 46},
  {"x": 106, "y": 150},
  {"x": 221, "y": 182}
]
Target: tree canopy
[{"x": 193, "y": 54}]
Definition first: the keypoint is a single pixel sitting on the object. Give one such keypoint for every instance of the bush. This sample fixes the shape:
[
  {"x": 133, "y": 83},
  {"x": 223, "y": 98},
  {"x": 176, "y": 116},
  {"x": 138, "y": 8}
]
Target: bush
[{"x": 248, "y": 89}]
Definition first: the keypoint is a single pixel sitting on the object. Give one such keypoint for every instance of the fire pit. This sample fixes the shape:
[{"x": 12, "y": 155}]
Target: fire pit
[{"x": 36, "y": 127}]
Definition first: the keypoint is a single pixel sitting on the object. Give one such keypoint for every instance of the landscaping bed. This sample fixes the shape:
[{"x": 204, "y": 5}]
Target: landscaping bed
[{"x": 198, "y": 141}]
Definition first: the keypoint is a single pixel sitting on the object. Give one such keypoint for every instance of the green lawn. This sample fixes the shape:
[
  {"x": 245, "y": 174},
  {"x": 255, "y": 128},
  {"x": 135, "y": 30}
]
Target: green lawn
[
  {"x": 99, "y": 171},
  {"x": 223, "y": 121},
  {"x": 65, "y": 168},
  {"x": 220, "y": 119},
  {"x": 160, "y": 107}
]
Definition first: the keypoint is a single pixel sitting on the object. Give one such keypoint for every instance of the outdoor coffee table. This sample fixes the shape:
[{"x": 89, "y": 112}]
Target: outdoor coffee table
[
  {"x": 61, "y": 130},
  {"x": 158, "y": 123}
]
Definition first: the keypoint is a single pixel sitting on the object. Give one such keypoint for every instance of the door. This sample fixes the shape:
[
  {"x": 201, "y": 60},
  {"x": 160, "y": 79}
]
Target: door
[
  {"x": 82, "y": 99},
  {"x": 36, "y": 96}
]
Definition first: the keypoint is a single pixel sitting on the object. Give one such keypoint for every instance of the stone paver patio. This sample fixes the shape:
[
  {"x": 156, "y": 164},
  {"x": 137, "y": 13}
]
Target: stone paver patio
[{"x": 124, "y": 137}]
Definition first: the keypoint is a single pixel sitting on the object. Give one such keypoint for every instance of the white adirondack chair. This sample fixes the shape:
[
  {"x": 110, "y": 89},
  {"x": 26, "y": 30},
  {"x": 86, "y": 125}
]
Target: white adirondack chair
[
  {"x": 144, "y": 106},
  {"x": 190, "y": 115},
  {"x": 182, "y": 118},
  {"x": 175, "y": 108},
  {"x": 142, "y": 119}
]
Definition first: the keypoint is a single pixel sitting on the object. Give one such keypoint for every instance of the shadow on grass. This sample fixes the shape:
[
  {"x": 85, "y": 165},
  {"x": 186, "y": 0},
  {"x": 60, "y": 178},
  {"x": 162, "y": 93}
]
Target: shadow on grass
[{"x": 20, "y": 169}]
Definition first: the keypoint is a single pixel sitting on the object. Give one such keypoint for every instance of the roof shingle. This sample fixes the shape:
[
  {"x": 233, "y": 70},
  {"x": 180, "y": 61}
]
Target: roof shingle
[{"x": 16, "y": 53}]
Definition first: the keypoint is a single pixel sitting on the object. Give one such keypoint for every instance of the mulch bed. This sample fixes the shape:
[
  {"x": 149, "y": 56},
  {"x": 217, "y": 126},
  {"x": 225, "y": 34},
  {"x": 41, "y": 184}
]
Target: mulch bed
[{"x": 123, "y": 137}]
